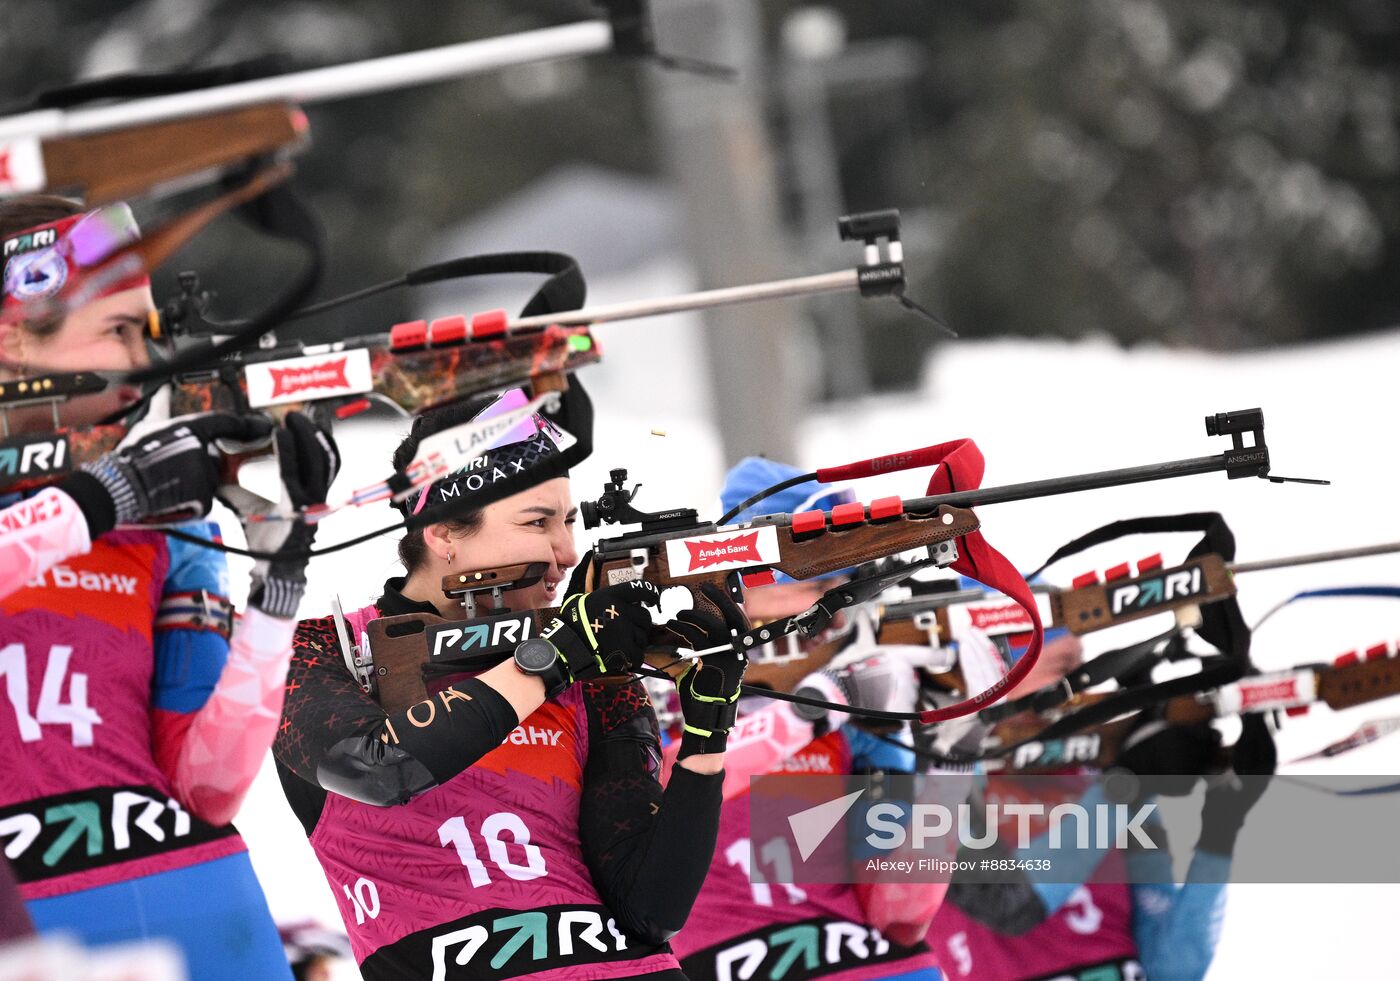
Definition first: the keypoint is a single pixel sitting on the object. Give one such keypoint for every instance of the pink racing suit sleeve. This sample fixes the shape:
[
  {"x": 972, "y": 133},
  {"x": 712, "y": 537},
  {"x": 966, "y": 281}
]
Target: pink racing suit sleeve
[
  {"x": 36, "y": 533},
  {"x": 221, "y": 746}
]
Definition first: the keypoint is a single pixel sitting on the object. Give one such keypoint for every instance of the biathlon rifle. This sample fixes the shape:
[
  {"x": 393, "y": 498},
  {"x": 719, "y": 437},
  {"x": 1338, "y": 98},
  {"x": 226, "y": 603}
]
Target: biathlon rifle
[
  {"x": 415, "y": 367},
  {"x": 1354, "y": 678},
  {"x": 165, "y": 130},
  {"x": 151, "y": 134},
  {"x": 673, "y": 548},
  {"x": 1018, "y": 744}
]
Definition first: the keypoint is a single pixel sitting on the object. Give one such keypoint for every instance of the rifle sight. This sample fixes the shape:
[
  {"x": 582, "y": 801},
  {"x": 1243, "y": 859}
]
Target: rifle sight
[{"x": 614, "y": 507}]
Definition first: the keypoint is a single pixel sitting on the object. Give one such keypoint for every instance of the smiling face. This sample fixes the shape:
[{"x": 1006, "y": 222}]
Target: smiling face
[
  {"x": 536, "y": 525},
  {"x": 107, "y": 334}
]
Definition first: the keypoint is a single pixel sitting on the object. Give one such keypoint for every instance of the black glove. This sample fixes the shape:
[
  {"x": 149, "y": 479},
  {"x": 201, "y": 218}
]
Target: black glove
[
  {"x": 605, "y": 631},
  {"x": 307, "y": 462},
  {"x": 709, "y": 688},
  {"x": 1175, "y": 756},
  {"x": 167, "y": 471},
  {"x": 1228, "y": 801}
]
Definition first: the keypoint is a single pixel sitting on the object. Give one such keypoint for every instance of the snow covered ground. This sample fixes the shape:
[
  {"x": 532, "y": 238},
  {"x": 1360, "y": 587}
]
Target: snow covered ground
[{"x": 1038, "y": 409}]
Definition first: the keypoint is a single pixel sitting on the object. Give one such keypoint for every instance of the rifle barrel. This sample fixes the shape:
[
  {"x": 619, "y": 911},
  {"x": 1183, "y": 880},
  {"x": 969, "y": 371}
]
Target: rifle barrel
[
  {"x": 834, "y": 282},
  {"x": 1310, "y": 558},
  {"x": 321, "y": 84},
  {"x": 1069, "y": 485}
]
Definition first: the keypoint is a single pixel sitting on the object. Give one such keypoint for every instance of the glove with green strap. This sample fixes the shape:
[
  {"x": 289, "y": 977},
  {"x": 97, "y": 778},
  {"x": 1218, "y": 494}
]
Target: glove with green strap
[
  {"x": 603, "y": 632},
  {"x": 709, "y": 687}
]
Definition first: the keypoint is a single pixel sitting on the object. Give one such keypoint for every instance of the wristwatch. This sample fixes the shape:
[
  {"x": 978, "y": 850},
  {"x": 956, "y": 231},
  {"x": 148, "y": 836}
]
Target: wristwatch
[{"x": 537, "y": 656}]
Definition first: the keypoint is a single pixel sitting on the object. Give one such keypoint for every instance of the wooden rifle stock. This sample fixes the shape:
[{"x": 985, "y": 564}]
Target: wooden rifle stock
[
  {"x": 401, "y": 647},
  {"x": 1097, "y": 606},
  {"x": 1340, "y": 686},
  {"x": 681, "y": 558},
  {"x": 413, "y": 381},
  {"x": 116, "y": 164},
  {"x": 1096, "y": 746}
]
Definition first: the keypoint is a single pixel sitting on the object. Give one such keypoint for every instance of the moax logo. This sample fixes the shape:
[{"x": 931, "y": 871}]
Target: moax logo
[
  {"x": 43, "y": 238},
  {"x": 482, "y": 636},
  {"x": 32, "y": 458},
  {"x": 1157, "y": 591}
]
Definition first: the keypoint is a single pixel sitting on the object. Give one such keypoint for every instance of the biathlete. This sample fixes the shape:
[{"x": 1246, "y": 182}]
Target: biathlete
[
  {"x": 514, "y": 824},
  {"x": 139, "y": 706}
]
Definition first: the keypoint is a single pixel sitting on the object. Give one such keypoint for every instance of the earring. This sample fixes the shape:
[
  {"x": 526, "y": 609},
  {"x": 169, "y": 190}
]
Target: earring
[{"x": 451, "y": 558}]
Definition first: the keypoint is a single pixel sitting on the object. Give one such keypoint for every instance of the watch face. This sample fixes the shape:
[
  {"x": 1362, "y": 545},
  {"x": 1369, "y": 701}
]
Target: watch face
[{"x": 535, "y": 655}]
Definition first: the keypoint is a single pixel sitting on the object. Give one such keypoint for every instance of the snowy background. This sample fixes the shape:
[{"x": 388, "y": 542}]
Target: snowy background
[
  {"x": 1036, "y": 409},
  {"x": 1190, "y": 179}
]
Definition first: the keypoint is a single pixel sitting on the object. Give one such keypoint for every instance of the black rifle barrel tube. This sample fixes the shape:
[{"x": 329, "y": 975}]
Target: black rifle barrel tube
[{"x": 1069, "y": 485}]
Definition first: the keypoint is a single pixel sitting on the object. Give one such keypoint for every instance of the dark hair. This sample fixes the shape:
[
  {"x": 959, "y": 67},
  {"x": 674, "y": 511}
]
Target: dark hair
[
  {"x": 31, "y": 211},
  {"x": 413, "y": 550}
]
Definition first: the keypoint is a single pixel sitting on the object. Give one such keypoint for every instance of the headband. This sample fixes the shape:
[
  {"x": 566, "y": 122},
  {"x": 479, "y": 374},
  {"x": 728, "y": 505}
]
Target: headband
[{"x": 69, "y": 256}]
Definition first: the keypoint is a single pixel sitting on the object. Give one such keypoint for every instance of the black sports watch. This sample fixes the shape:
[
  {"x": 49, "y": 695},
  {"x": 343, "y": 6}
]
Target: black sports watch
[{"x": 540, "y": 658}]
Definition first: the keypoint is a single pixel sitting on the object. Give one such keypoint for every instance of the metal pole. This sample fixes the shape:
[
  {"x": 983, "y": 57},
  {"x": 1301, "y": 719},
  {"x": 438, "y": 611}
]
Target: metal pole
[
  {"x": 1310, "y": 558},
  {"x": 320, "y": 84},
  {"x": 835, "y": 282}
]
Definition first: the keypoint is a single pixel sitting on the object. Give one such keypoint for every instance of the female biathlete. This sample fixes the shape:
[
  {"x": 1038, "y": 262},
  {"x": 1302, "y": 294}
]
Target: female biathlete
[
  {"x": 1118, "y": 917},
  {"x": 745, "y": 924},
  {"x": 138, "y": 711},
  {"x": 513, "y": 824}
]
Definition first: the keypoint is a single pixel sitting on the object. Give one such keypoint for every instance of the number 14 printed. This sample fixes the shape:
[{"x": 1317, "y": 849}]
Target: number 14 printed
[{"x": 52, "y": 709}]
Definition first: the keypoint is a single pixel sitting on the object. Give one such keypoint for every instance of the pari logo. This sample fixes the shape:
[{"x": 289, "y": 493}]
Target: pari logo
[
  {"x": 1159, "y": 590},
  {"x": 22, "y": 457},
  {"x": 317, "y": 376},
  {"x": 1058, "y": 752},
  {"x": 689, "y": 556},
  {"x": 479, "y": 636},
  {"x": 43, "y": 238}
]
